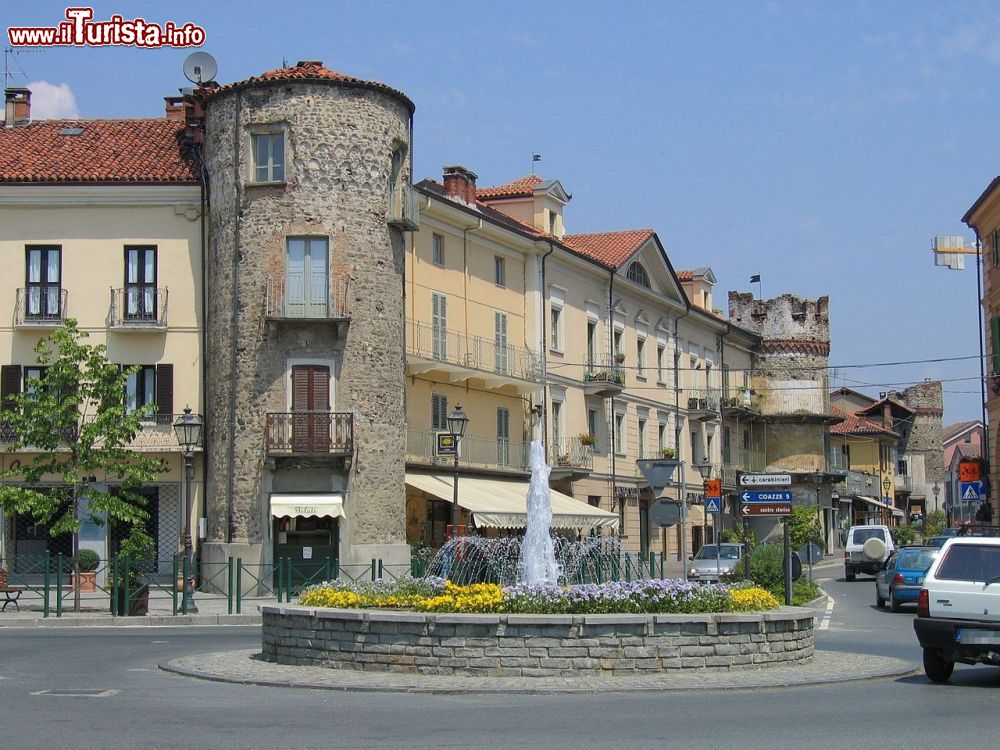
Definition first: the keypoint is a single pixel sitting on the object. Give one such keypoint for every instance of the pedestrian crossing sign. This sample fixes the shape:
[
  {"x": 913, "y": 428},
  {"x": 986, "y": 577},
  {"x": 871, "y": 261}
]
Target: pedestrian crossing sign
[
  {"x": 712, "y": 505},
  {"x": 971, "y": 491}
]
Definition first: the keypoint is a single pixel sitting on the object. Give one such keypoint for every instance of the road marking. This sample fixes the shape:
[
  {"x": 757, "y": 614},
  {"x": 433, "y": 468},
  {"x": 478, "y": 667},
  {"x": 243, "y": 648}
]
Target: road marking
[
  {"x": 159, "y": 641},
  {"x": 78, "y": 693},
  {"x": 825, "y": 623}
]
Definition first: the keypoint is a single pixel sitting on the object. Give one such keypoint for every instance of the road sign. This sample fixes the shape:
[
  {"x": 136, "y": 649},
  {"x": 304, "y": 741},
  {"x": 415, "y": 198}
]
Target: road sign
[
  {"x": 765, "y": 480},
  {"x": 447, "y": 444},
  {"x": 766, "y": 496},
  {"x": 765, "y": 509},
  {"x": 812, "y": 552},
  {"x": 713, "y": 488},
  {"x": 972, "y": 491},
  {"x": 665, "y": 512},
  {"x": 968, "y": 471},
  {"x": 713, "y": 505}
]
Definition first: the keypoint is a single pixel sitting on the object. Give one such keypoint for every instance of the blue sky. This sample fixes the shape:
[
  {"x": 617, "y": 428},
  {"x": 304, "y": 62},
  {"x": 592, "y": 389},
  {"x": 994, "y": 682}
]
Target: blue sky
[{"x": 821, "y": 145}]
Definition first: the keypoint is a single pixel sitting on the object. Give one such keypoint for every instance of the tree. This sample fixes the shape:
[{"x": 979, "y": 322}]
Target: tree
[
  {"x": 73, "y": 423},
  {"x": 935, "y": 523},
  {"x": 804, "y": 526}
]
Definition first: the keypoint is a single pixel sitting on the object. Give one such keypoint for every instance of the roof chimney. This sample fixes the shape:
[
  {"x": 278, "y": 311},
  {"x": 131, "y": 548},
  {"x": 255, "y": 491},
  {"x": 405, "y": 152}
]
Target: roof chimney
[
  {"x": 17, "y": 107},
  {"x": 460, "y": 184},
  {"x": 174, "y": 108}
]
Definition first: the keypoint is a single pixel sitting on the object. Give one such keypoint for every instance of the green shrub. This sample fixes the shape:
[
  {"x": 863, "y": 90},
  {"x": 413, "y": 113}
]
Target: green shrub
[
  {"x": 904, "y": 534},
  {"x": 766, "y": 567},
  {"x": 804, "y": 526},
  {"x": 88, "y": 560},
  {"x": 803, "y": 592},
  {"x": 935, "y": 523}
]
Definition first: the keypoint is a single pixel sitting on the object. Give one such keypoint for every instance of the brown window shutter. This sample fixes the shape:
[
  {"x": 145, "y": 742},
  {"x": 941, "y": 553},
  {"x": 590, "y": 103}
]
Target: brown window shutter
[
  {"x": 10, "y": 385},
  {"x": 165, "y": 390}
]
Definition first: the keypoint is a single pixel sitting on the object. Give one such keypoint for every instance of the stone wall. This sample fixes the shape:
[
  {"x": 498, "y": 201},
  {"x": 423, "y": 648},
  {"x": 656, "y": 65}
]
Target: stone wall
[{"x": 533, "y": 645}]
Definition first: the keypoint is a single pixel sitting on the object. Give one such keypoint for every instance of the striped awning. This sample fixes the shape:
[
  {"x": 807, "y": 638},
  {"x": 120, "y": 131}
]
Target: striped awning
[{"x": 323, "y": 506}]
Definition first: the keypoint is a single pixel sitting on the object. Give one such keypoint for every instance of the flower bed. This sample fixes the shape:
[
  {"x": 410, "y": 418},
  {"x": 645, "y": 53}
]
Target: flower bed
[{"x": 647, "y": 596}]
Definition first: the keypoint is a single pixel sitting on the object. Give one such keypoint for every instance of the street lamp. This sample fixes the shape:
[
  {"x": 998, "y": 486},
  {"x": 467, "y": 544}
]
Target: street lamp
[
  {"x": 935, "y": 489},
  {"x": 886, "y": 485},
  {"x": 457, "y": 422},
  {"x": 188, "y": 429}
]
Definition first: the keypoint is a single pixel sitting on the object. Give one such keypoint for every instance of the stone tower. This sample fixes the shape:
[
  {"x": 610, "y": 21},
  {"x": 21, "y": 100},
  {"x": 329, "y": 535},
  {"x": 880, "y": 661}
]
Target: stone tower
[{"x": 305, "y": 388}]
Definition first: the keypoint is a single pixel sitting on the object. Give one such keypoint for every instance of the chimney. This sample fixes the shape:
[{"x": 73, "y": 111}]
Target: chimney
[
  {"x": 17, "y": 107},
  {"x": 174, "y": 108},
  {"x": 460, "y": 184}
]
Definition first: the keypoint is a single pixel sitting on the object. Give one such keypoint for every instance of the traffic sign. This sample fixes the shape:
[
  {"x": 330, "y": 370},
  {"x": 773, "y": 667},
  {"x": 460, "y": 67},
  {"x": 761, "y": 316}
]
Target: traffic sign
[
  {"x": 766, "y": 496},
  {"x": 713, "y": 488},
  {"x": 972, "y": 491},
  {"x": 665, "y": 512},
  {"x": 765, "y": 480},
  {"x": 713, "y": 505},
  {"x": 765, "y": 509},
  {"x": 968, "y": 471},
  {"x": 447, "y": 444}
]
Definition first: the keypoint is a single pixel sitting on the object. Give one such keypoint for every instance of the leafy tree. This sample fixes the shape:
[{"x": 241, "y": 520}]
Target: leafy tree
[
  {"x": 904, "y": 534},
  {"x": 74, "y": 423},
  {"x": 804, "y": 526},
  {"x": 935, "y": 523}
]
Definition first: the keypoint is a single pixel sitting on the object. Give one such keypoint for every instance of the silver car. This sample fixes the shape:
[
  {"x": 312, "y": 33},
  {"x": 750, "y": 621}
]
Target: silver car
[{"x": 711, "y": 562}]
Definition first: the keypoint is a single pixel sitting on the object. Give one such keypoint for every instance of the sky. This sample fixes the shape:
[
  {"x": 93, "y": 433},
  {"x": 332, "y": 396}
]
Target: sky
[{"x": 821, "y": 145}]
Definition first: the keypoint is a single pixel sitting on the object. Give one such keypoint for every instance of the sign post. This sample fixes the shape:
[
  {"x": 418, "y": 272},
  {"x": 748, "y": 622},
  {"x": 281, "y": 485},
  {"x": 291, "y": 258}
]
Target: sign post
[{"x": 713, "y": 504}]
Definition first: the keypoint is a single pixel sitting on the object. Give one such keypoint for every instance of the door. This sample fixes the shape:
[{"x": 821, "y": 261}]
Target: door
[
  {"x": 501, "y": 351},
  {"x": 140, "y": 283},
  {"x": 307, "y": 278},
  {"x": 503, "y": 436},
  {"x": 310, "y": 409},
  {"x": 439, "y": 326},
  {"x": 43, "y": 283}
]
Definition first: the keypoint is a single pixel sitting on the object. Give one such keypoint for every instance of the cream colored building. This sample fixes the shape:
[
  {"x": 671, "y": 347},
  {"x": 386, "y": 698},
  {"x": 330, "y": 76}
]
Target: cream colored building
[{"x": 100, "y": 221}]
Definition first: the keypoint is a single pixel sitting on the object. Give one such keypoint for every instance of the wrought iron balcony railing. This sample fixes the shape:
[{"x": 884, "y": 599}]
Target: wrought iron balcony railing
[
  {"x": 605, "y": 374},
  {"x": 156, "y": 433},
  {"x": 571, "y": 453},
  {"x": 310, "y": 432},
  {"x": 288, "y": 298},
  {"x": 42, "y": 305},
  {"x": 403, "y": 210},
  {"x": 485, "y": 453},
  {"x": 703, "y": 402},
  {"x": 139, "y": 307},
  {"x": 431, "y": 343}
]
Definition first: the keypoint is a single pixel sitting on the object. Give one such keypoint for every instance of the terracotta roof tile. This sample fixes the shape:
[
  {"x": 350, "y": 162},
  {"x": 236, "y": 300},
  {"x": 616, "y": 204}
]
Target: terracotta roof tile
[
  {"x": 104, "y": 151},
  {"x": 855, "y": 424},
  {"x": 521, "y": 187},
  {"x": 307, "y": 70},
  {"x": 969, "y": 450},
  {"x": 685, "y": 275},
  {"x": 610, "y": 248},
  {"x": 950, "y": 431}
]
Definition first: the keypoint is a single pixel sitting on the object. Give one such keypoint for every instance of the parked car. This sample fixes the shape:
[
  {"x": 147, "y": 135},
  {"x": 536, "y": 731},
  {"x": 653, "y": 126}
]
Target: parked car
[
  {"x": 936, "y": 541},
  {"x": 866, "y": 549},
  {"x": 958, "y": 608},
  {"x": 706, "y": 566},
  {"x": 902, "y": 575}
]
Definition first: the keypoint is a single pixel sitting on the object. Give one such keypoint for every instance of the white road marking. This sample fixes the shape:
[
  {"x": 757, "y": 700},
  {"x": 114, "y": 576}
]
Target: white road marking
[{"x": 825, "y": 624}]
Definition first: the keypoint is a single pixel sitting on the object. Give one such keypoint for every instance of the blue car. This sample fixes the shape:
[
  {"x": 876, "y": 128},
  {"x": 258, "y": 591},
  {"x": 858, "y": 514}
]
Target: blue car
[{"x": 902, "y": 576}]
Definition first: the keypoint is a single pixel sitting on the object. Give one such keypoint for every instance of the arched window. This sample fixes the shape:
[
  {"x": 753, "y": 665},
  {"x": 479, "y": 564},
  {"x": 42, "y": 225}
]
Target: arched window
[{"x": 637, "y": 274}]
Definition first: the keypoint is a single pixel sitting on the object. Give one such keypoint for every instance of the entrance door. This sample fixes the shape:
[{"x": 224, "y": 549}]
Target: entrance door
[
  {"x": 140, "y": 283},
  {"x": 310, "y": 409},
  {"x": 310, "y": 546},
  {"x": 307, "y": 278}
]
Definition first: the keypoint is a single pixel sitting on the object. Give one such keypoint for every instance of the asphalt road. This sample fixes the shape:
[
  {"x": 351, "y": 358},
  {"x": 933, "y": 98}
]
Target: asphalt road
[{"x": 153, "y": 709}]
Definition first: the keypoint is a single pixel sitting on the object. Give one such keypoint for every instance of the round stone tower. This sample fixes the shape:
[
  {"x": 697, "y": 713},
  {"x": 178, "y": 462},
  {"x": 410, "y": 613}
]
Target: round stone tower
[{"x": 308, "y": 176}]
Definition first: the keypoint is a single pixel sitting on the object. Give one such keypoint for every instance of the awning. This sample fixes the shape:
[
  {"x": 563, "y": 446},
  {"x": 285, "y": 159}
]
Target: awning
[
  {"x": 878, "y": 503},
  {"x": 502, "y": 503},
  {"x": 324, "y": 506}
]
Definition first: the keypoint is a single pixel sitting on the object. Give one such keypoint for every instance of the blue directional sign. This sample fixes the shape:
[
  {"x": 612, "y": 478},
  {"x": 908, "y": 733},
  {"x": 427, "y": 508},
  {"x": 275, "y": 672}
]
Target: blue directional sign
[
  {"x": 972, "y": 492},
  {"x": 771, "y": 496},
  {"x": 712, "y": 505}
]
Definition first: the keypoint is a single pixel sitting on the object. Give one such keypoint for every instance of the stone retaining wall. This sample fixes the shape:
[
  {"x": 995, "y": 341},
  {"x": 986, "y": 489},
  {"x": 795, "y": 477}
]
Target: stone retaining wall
[{"x": 533, "y": 645}]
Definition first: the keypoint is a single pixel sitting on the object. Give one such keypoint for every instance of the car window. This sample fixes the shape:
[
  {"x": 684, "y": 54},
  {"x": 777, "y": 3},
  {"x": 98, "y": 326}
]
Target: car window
[
  {"x": 970, "y": 562},
  {"x": 863, "y": 535},
  {"x": 916, "y": 559}
]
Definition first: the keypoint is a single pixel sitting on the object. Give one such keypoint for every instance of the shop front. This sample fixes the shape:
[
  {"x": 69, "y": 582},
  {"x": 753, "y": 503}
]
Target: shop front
[{"x": 306, "y": 533}]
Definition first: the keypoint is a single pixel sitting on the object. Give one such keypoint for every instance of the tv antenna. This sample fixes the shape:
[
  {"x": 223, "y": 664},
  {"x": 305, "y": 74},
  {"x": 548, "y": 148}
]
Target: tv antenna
[
  {"x": 10, "y": 59},
  {"x": 200, "y": 67}
]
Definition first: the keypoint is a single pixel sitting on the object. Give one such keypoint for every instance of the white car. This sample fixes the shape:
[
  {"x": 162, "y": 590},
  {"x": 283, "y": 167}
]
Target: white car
[
  {"x": 866, "y": 550},
  {"x": 710, "y": 563},
  {"x": 958, "y": 608}
]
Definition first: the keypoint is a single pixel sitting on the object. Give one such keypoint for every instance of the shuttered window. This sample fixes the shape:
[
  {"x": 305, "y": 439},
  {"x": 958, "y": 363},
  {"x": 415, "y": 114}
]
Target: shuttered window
[
  {"x": 501, "y": 350},
  {"x": 140, "y": 390},
  {"x": 165, "y": 391},
  {"x": 995, "y": 343},
  {"x": 10, "y": 385},
  {"x": 439, "y": 326},
  {"x": 310, "y": 408},
  {"x": 439, "y": 411}
]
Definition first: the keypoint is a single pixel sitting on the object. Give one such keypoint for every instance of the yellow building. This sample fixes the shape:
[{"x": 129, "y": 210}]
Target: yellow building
[
  {"x": 866, "y": 452},
  {"x": 100, "y": 221}
]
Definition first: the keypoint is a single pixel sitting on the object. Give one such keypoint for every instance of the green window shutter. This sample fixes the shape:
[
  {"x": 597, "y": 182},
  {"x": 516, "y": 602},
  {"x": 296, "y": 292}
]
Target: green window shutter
[
  {"x": 995, "y": 247},
  {"x": 995, "y": 343}
]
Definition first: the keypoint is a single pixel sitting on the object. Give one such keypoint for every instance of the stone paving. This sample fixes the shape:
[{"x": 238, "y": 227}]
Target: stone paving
[{"x": 245, "y": 667}]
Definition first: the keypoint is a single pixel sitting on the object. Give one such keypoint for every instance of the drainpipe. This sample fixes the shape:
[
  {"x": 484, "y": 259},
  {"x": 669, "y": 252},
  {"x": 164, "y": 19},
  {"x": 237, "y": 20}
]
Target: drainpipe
[
  {"x": 611, "y": 354},
  {"x": 205, "y": 436},
  {"x": 544, "y": 357},
  {"x": 677, "y": 448},
  {"x": 233, "y": 327}
]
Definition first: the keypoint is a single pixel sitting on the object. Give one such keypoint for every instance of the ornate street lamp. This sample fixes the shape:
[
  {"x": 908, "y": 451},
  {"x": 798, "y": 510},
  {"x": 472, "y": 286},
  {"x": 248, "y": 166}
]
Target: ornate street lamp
[
  {"x": 457, "y": 422},
  {"x": 188, "y": 428}
]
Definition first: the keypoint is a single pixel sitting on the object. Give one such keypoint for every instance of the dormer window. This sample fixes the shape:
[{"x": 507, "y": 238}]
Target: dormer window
[
  {"x": 637, "y": 274},
  {"x": 552, "y": 222}
]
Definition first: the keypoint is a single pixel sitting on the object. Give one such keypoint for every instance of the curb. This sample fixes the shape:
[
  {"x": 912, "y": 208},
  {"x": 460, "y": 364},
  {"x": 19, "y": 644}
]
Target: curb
[
  {"x": 245, "y": 668},
  {"x": 100, "y": 621}
]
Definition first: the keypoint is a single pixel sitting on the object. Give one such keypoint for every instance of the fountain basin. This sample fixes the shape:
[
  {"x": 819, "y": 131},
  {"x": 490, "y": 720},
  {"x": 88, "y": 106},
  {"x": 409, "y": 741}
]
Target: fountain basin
[{"x": 533, "y": 645}]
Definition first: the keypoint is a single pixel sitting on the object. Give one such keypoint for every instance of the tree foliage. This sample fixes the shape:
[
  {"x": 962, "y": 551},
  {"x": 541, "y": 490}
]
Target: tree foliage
[
  {"x": 935, "y": 522},
  {"x": 804, "y": 526},
  {"x": 73, "y": 425}
]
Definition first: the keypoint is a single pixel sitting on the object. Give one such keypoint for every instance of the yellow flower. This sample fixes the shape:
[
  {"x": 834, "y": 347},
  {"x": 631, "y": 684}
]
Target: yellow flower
[{"x": 752, "y": 599}]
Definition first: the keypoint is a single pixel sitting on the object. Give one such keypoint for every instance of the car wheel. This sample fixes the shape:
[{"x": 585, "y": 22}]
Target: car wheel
[
  {"x": 938, "y": 668},
  {"x": 894, "y": 603},
  {"x": 849, "y": 575},
  {"x": 879, "y": 601}
]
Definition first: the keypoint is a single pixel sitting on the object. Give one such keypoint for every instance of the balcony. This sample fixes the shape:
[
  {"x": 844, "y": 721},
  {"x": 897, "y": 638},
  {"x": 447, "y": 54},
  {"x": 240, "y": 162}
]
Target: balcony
[
  {"x": 309, "y": 433},
  {"x": 461, "y": 357},
  {"x": 40, "y": 307},
  {"x": 903, "y": 483},
  {"x": 482, "y": 453},
  {"x": 156, "y": 434},
  {"x": 287, "y": 299},
  {"x": 403, "y": 212},
  {"x": 741, "y": 460},
  {"x": 703, "y": 404},
  {"x": 570, "y": 458},
  {"x": 138, "y": 308},
  {"x": 604, "y": 377},
  {"x": 859, "y": 483},
  {"x": 798, "y": 400},
  {"x": 739, "y": 401}
]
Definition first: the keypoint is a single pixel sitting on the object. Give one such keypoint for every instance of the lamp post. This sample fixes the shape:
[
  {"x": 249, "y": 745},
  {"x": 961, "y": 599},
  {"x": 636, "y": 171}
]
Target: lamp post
[
  {"x": 935, "y": 489},
  {"x": 188, "y": 429},
  {"x": 705, "y": 469},
  {"x": 457, "y": 422},
  {"x": 886, "y": 485}
]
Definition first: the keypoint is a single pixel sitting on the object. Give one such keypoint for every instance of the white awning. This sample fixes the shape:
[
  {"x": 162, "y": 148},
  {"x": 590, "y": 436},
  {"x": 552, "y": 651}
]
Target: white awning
[
  {"x": 877, "y": 503},
  {"x": 324, "y": 506},
  {"x": 502, "y": 503}
]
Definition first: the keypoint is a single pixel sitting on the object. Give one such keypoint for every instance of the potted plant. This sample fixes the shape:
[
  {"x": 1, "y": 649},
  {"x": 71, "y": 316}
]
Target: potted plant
[
  {"x": 619, "y": 357},
  {"x": 131, "y": 577},
  {"x": 587, "y": 439},
  {"x": 667, "y": 452},
  {"x": 87, "y": 560}
]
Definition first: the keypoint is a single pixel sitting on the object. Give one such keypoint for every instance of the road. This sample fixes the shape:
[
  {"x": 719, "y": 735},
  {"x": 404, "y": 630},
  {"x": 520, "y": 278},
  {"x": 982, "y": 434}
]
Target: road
[{"x": 154, "y": 709}]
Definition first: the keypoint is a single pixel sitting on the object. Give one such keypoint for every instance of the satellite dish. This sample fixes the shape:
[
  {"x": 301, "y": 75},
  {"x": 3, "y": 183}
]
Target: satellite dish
[{"x": 200, "y": 67}]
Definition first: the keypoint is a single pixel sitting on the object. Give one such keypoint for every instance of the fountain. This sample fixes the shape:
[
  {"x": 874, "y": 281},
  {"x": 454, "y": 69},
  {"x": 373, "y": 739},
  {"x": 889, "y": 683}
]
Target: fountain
[{"x": 538, "y": 560}]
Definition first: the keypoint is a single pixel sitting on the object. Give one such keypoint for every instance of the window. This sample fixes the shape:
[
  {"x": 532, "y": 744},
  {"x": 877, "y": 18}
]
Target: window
[
  {"x": 503, "y": 436},
  {"x": 592, "y": 425},
  {"x": 708, "y": 446},
  {"x": 501, "y": 350},
  {"x": 499, "y": 271},
  {"x": 995, "y": 341},
  {"x": 640, "y": 357},
  {"x": 620, "y": 433},
  {"x": 556, "y": 326},
  {"x": 140, "y": 389},
  {"x": 552, "y": 222},
  {"x": 140, "y": 283},
  {"x": 727, "y": 452},
  {"x": 995, "y": 246},
  {"x": 439, "y": 411},
  {"x": 592, "y": 343},
  {"x": 268, "y": 157},
  {"x": 617, "y": 342},
  {"x": 637, "y": 274},
  {"x": 33, "y": 376},
  {"x": 307, "y": 278},
  {"x": 642, "y": 438},
  {"x": 660, "y": 374},
  {"x": 661, "y": 436},
  {"x": 439, "y": 326},
  {"x": 901, "y": 467},
  {"x": 557, "y": 424},
  {"x": 43, "y": 282},
  {"x": 438, "y": 251}
]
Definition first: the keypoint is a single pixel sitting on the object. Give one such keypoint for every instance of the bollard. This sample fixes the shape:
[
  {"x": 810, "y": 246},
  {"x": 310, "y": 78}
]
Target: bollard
[
  {"x": 47, "y": 584},
  {"x": 239, "y": 585},
  {"x": 175, "y": 565},
  {"x": 229, "y": 584},
  {"x": 59, "y": 584}
]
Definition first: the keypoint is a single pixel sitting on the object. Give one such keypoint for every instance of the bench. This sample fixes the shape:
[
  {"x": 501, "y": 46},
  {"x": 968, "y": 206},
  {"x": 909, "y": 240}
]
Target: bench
[{"x": 12, "y": 594}]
